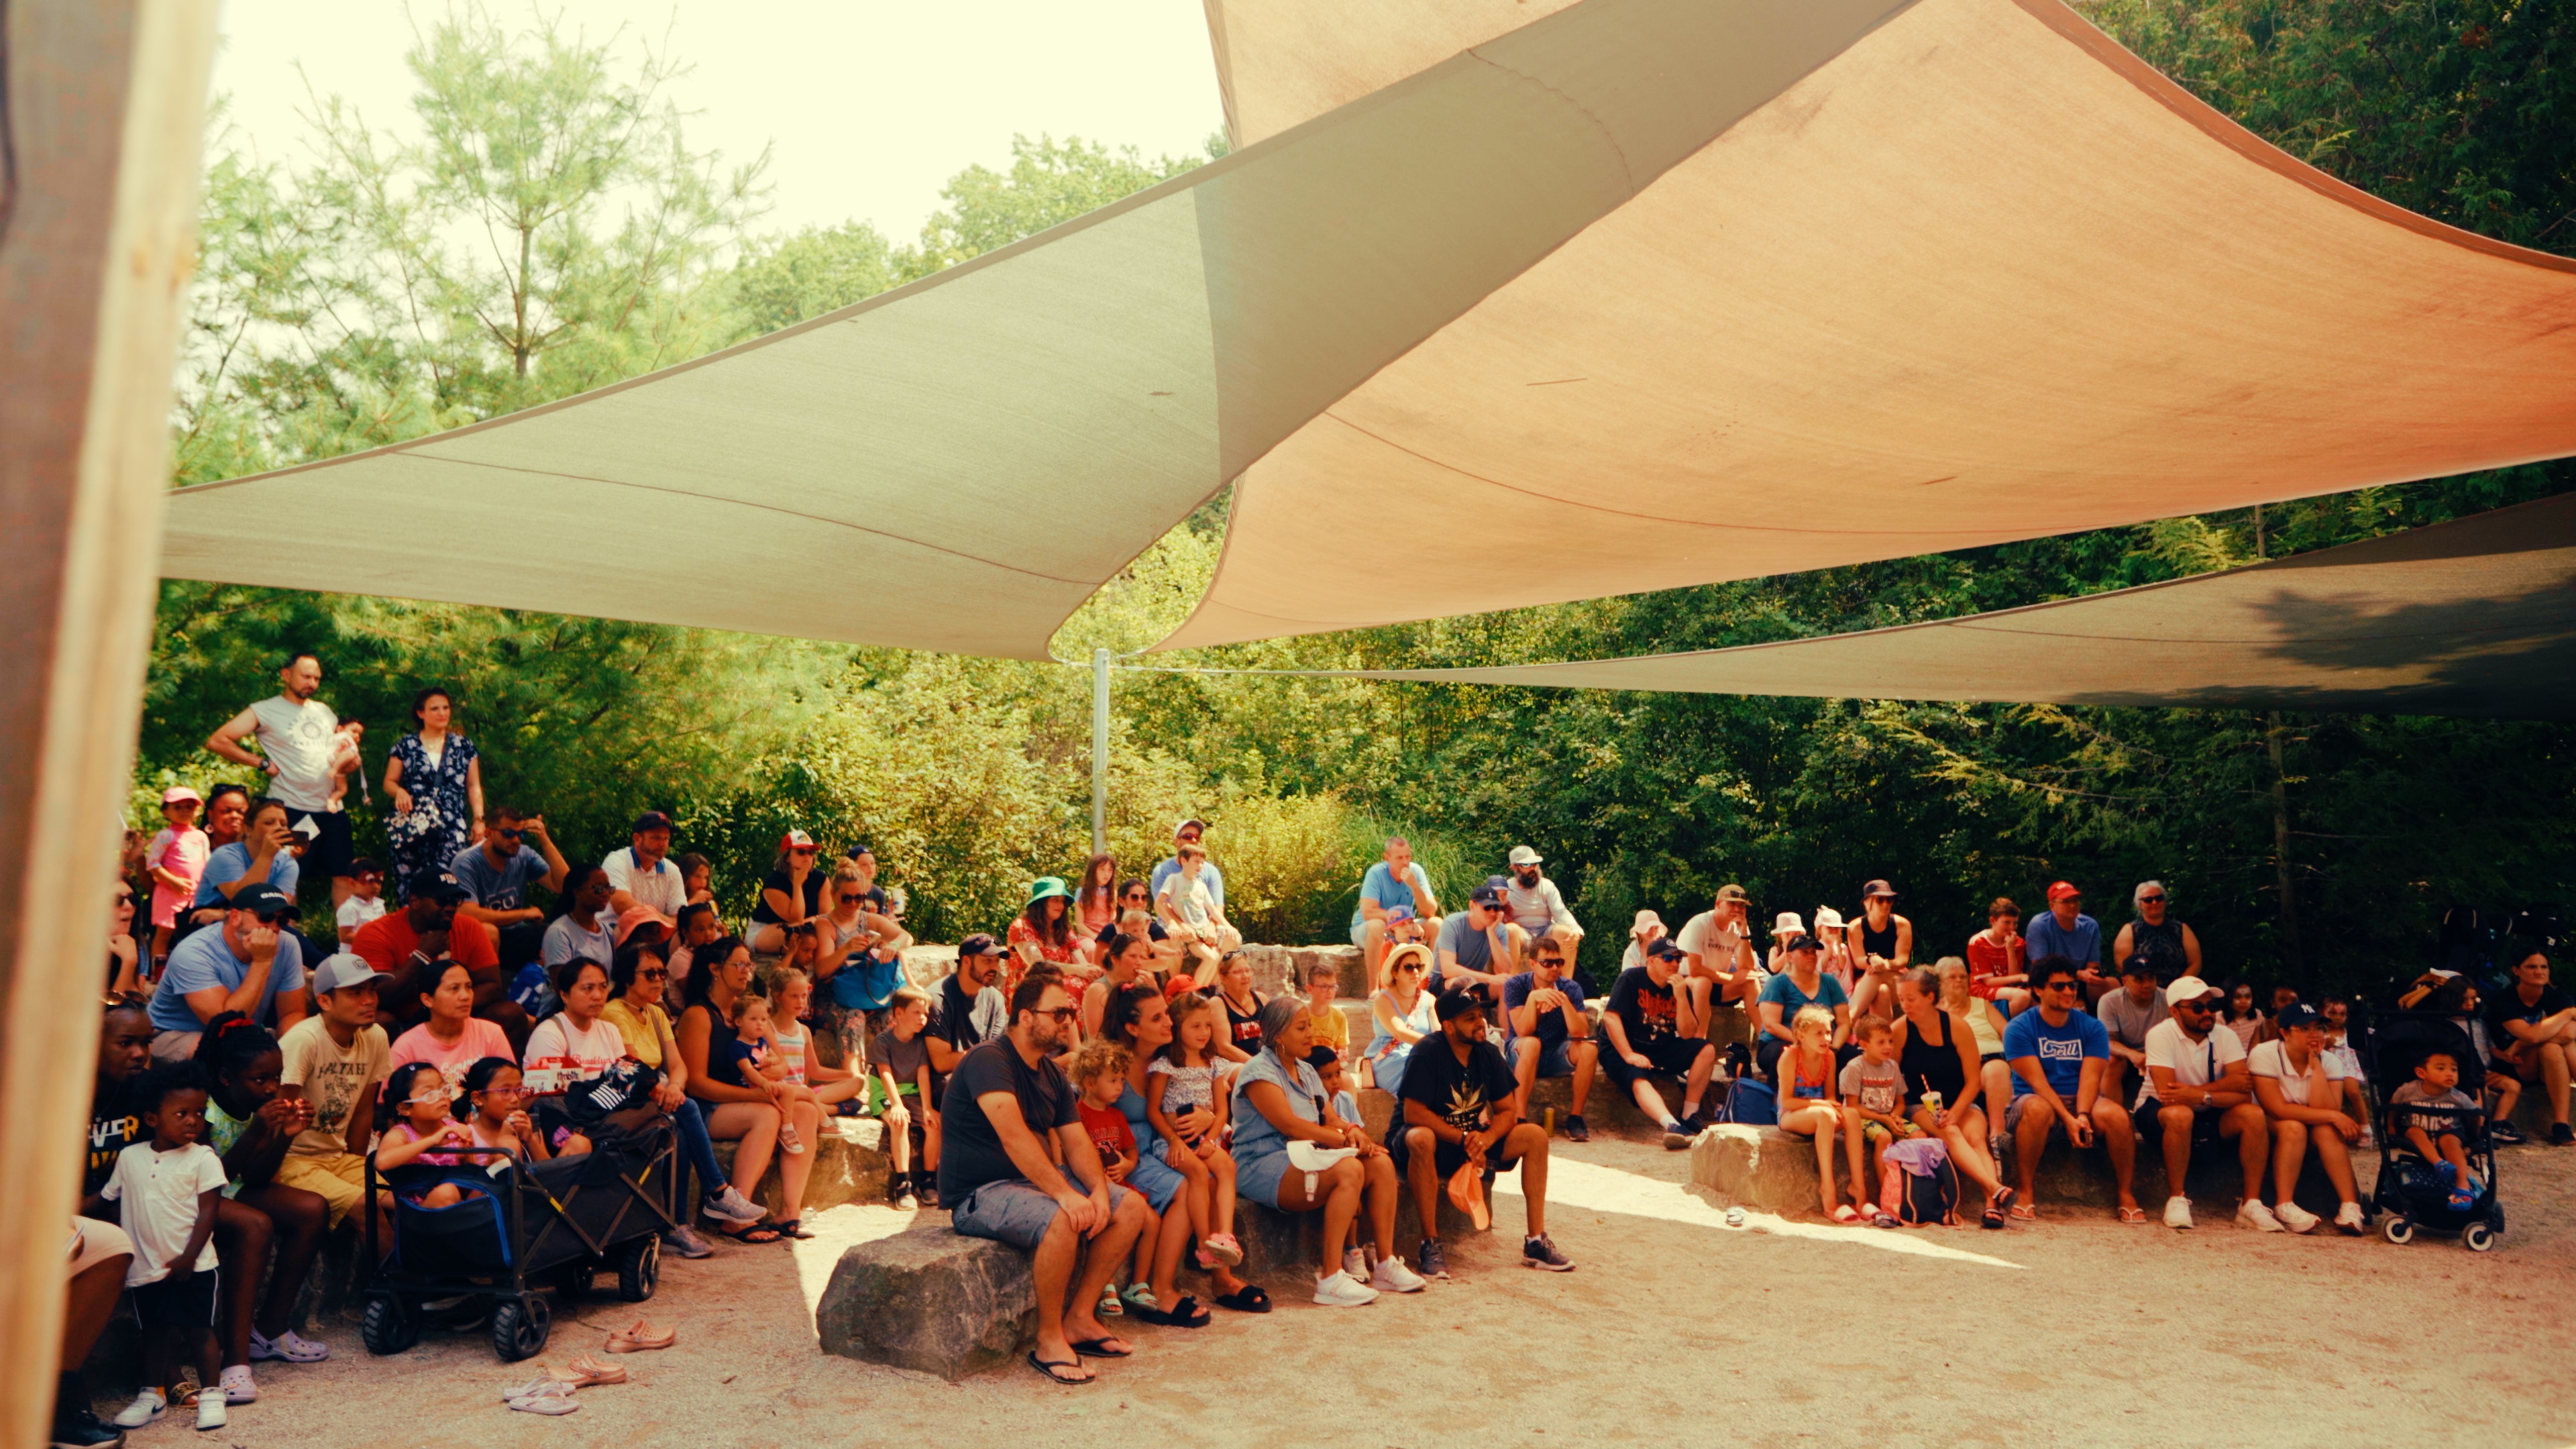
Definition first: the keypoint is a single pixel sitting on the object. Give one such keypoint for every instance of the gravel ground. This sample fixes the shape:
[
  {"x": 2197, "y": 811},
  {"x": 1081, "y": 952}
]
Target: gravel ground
[{"x": 1674, "y": 1329}]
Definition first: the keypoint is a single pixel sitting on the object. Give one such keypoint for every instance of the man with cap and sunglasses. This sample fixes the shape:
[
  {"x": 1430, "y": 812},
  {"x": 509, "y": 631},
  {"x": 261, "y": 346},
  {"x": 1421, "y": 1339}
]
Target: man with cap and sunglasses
[
  {"x": 643, "y": 874},
  {"x": 253, "y": 963},
  {"x": 1474, "y": 952},
  {"x": 2058, "y": 1053},
  {"x": 2199, "y": 1088},
  {"x": 1534, "y": 909},
  {"x": 496, "y": 872}
]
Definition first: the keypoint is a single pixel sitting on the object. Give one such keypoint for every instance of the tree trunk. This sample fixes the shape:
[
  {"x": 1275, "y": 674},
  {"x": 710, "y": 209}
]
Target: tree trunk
[{"x": 2290, "y": 955}]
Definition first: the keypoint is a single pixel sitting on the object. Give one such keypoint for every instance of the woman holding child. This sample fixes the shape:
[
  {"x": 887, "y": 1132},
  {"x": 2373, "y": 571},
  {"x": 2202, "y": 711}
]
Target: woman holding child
[
  {"x": 736, "y": 1112},
  {"x": 1139, "y": 1020}
]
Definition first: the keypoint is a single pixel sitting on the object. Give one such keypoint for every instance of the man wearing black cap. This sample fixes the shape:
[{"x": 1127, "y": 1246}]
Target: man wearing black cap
[
  {"x": 971, "y": 1009},
  {"x": 1642, "y": 1024},
  {"x": 1460, "y": 1107},
  {"x": 1475, "y": 950},
  {"x": 253, "y": 964},
  {"x": 643, "y": 874}
]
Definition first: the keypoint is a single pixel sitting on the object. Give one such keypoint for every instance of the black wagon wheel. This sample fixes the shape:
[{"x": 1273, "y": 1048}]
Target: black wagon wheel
[
  {"x": 520, "y": 1327},
  {"x": 639, "y": 1268}
]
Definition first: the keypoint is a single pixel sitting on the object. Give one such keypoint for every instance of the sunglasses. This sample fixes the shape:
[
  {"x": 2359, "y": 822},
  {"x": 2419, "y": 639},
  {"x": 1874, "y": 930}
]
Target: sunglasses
[
  {"x": 268, "y": 918},
  {"x": 2203, "y": 1004},
  {"x": 1061, "y": 1014},
  {"x": 509, "y": 834},
  {"x": 662, "y": 975},
  {"x": 851, "y": 898},
  {"x": 2151, "y": 900},
  {"x": 800, "y": 850},
  {"x": 2057, "y": 986}
]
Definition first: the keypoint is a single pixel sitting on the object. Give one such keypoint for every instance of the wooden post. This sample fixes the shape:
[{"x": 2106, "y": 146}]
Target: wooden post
[{"x": 104, "y": 128}]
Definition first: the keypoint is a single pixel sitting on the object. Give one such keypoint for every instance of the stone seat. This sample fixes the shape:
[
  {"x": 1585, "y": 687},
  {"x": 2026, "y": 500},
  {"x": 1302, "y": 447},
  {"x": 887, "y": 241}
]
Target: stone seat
[
  {"x": 928, "y": 1300},
  {"x": 850, "y": 1165}
]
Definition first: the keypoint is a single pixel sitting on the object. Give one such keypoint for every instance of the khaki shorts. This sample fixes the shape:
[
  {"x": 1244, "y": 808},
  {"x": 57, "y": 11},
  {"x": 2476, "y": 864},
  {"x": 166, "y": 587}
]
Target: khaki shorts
[
  {"x": 98, "y": 1242},
  {"x": 338, "y": 1179}
]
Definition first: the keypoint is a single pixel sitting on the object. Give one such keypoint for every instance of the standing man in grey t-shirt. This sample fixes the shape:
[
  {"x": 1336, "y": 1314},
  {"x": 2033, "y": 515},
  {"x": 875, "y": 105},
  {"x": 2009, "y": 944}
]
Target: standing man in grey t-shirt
[{"x": 297, "y": 735}]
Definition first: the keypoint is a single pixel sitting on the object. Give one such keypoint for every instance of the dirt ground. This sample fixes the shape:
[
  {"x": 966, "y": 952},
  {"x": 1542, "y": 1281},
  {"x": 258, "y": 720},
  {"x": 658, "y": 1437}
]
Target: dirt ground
[{"x": 1674, "y": 1329}]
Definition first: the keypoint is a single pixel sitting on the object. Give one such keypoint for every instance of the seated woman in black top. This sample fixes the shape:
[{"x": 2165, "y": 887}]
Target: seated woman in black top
[{"x": 1937, "y": 1051}]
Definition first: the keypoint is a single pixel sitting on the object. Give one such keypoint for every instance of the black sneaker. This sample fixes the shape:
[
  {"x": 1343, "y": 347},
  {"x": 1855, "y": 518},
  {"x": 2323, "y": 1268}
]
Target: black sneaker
[
  {"x": 1576, "y": 1130},
  {"x": 1539, "y": 1252},
  {"x": 81, "y": 1429},
  {"x": 1677, "y": 1137},
  {"x": 2508, "y": 1134},
  {"x": 1431, "y": 1262},
  {"x": 2560, "y": 1134}
]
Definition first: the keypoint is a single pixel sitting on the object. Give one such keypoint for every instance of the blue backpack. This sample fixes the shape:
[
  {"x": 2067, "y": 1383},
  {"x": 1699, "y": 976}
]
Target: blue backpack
[{"x": 1750, "y": 1104}]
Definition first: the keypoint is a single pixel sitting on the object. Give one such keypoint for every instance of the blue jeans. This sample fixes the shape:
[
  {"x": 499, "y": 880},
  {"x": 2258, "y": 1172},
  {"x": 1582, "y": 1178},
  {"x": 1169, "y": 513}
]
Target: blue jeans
[{"x": 691, "y": 1125}]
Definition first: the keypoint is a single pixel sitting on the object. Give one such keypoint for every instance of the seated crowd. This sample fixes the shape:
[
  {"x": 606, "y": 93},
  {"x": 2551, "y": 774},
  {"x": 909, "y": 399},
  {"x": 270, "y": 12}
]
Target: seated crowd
[{"x": 1100, "y": 1086}]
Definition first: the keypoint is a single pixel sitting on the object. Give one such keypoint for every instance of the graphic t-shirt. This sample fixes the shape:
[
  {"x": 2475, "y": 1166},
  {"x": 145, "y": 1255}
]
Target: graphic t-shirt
[
  {"x": 113, "y": 1127},
  {"x": 502, "y": 887},
  {"x": 2506, "y": 1005},
  {"x": 2061, "y": 1049},
  {"x": 1461, "y": 1093},
  {"x": 966, "y": 1024},
  {"x": 296, "y": 738},
  {"x": 1875, "y": 1086},
  {"x": 1714, "y": 944},
  {"x": 1646, "y": 1011},
  {"x": 971, "y": 1154},
  {"x": 1109, "y": 1131},
  {"x": 2193, "y": 1063},
  {"x": 560, "y": 1053},
  {"x": 2449, "y": 1107},
  {"x": 333, "y": 1078}
]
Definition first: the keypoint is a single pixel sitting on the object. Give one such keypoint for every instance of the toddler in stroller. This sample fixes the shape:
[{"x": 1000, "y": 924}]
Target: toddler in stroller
[{"x": 2439, "y": 1168}]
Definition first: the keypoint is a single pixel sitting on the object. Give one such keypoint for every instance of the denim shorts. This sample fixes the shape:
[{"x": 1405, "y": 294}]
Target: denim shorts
[{"x": 1013, "y": 1210}]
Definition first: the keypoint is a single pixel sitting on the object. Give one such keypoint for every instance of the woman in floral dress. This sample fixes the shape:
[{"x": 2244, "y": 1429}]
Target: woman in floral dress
[{"x": 436, "y": 784}]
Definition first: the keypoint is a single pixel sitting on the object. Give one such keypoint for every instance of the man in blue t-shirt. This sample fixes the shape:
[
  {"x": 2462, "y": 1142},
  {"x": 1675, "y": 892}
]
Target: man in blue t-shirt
[
  {"x": 252, "y": 963},
  {"x": 1550, "y": 1036},
  {"x": 2058, "y": 1055},
  {"x": 1395, "y": 883},
  {"x": 496, "y": 873},
  {"x": 2066, "y": 931}
]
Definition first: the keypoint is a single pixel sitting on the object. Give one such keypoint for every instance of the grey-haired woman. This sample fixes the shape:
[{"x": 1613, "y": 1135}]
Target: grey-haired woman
[{"x": 1283, "y": 1103}]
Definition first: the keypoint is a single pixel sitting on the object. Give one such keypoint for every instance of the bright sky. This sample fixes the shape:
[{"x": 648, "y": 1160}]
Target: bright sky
[{"x": 870, "y": 106}]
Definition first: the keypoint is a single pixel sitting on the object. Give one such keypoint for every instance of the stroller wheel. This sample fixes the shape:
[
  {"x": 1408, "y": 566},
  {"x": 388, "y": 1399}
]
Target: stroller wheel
[
  {"x": 639, "y": 1268},
  {"x": 2398, "y": 1229},
  {"x": 2477, "y": 1238},
  {"x": 520, "y": 1327},
  {"x": 391, "y": 1325}
]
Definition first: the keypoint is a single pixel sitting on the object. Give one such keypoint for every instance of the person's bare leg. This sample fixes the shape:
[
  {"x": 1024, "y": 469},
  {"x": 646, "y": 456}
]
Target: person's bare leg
[
  {"x": 1100, "y": 1258},
  {"x": 2554, "y": 1076},
  {"x": 1338, "y": 1193},
  {"x": 299, "y": 1218},
  {"x": 795, "y": 1167},
  {"x": 1855, "y": 1154},
  {"x": 1525, "y": 1052},
  {"x": 752, "y": 1150},
  {"x": 1221, "y": 1193},
  {"x": 2119, "y": 1138},
  {"x": 1372, "y": 952},
  {"x": 1377, "y": 1179},
  {"x": 2174, "y": 1135},
  {"x": 1587, "y": 1061},
  {"x": 1197, "y": 1185},
  {"x": 1530, "y": 1141},
  {"x": 1170, "y": 1241},
  {"x": 2336, "y": 1158},
  {"x": 1965, "y": 1139},
  {"x": 1052, "y": 1267},
  {"x": 243, "y": 1235},
  {"x": 2289, "y": 1154},
  {"x": 1695, "y": 1087},
  {"x": 2253, "y": 1147},
  {"x": 1422, "y": 1174},
  {"x": 1649, "y": 1101},
  {"x": 2030, "y": 1139}
]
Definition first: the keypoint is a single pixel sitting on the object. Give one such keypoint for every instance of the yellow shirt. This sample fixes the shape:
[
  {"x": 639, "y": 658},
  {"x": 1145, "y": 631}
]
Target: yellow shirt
[
  {"x": 643, "y": 1030},
  {"x": 1332, "y": 1029}
]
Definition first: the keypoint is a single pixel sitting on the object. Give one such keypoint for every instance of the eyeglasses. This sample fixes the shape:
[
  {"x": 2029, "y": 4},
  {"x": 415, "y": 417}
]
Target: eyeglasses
[{"x": 520, "y": 1091}]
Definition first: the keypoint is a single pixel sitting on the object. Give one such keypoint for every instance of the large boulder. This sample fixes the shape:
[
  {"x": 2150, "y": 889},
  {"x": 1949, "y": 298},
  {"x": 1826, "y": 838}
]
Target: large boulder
[{"x": 928, "y": 1300}]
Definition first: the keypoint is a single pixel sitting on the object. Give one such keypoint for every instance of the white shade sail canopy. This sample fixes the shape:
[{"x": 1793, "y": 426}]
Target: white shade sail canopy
[{"x": 2472, "y": 617}]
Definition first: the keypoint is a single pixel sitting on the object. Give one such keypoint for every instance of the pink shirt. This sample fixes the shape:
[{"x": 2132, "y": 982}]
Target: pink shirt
[
  {"x": 482, "y": 1039},
  {"x": 183, "y": 854}
]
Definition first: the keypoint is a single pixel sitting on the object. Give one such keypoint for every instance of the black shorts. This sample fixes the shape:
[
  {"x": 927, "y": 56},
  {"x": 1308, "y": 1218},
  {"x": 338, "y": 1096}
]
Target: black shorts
[
  {"x": 1672, "y": 1055},
  {"x": 331, "y": 852},
  {"x": 177, "y": 1303},
  {"x": 2147, "y": 1117}
]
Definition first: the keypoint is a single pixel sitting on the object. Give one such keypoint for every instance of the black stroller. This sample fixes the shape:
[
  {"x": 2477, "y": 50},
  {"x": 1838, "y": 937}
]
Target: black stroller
[
  {"x": 524, "y": 1226},
  {"x": 2409, "y": 1189}
]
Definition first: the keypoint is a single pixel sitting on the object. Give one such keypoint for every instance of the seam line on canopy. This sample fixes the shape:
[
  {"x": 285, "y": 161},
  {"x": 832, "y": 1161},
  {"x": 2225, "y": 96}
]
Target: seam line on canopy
[
  {"x": 1627, "y": 173},
  {"x": 417, "y": 456}
]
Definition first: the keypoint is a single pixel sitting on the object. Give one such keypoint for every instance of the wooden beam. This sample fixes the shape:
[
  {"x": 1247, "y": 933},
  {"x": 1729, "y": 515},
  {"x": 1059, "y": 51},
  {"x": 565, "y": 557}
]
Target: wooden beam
[{"x": 105, "y": 114}]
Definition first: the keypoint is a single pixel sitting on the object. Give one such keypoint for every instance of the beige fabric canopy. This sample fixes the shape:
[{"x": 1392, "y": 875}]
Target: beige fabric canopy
[
  {"x": 2473, "y": 617},
  {"x": 1981, "y": 276}
]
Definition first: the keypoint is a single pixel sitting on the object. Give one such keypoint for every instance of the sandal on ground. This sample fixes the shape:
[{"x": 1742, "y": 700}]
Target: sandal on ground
[
  {"x": 586, "y": 1371},
  {"x": 2127, "y": 1214},
  {"x": 2020, "y": 1212},
  {"x": 1247, "y": 1299},
  {"x": 641, "y": 1337},
  {"x": 1052, "y": 1368},
  {"x": 1187, "y": 1313},
  {"x": 1843, "y": 1214},
  {"x": 793, "y": 1228},
  {"x": 1099, "y": 1348},
  {"x": 552, "y": 1407},
  {"x": 2005, "y": 1197},
  {"x": 757, "y": 1233}
]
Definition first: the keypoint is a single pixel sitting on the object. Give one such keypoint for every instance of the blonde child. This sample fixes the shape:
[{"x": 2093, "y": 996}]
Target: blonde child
[
  {"x": 900, "y": 1057},
  {"x": 1182, "y": 1102},
  {"x": 793, "y": 1044},
  {"x": 1808, "y": 1105},
  {"x": 1873, "y": 1093},
  {"x": 497, "y": 1106},
  {"x": 175, "y": 857},
  {"x": 747, "y": 1060},
  {"x": 1323, "y": 1010},
  {"x": 2435, "y": 1135},
  {"x": 1100, "y": 1075},
  {"x": 416, "y": 1101}
]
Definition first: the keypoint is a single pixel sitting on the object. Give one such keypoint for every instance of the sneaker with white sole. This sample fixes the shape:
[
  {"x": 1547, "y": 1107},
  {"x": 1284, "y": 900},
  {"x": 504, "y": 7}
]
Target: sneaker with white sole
[
  {"x": 1392, "y": 1276},
  {"x": 287, "y": 1347},
  {"x": 2348, "y": 1218},
  {"x": 1541, "y": 1252},
  {"x": 238, "y": 1386},
  {"x": 1343, "y": 1291},
  {"x": 148, "y": 1406},
  {"x": 731, "y": 1206},
  {"x": 2178, "y": 1212},
  {"x": 1432, "y": 1258},
  {"x": 210, "y": 1412},
  {"x": 687, "y": 1242},
  {"x": 2296, "y": 1218},
  {"x": 2251, "y": 1213},
  {"x": 1355, "y": 1262}
]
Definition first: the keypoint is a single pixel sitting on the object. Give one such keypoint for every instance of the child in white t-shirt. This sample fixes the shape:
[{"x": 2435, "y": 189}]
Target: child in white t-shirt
[
  {"x": 166, "y": 1191},
  {"x": 366, "y": 899}
]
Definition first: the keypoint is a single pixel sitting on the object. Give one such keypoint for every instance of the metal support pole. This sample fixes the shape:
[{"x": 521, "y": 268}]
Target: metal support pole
[{"x": 1099, "y": 751}]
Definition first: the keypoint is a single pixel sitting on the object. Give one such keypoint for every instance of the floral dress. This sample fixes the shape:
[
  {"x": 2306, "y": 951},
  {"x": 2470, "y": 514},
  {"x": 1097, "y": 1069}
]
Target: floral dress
[{"x": 441, "y": 821}]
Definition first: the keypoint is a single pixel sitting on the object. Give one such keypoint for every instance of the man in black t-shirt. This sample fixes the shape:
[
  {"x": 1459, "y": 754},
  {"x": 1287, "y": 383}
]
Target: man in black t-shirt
[
  {"x": 1640, "y": 1027},
  {"x": 1458, "y": 1103},
  {"x": 995, "y": 1175},
  {"x": 2533, "y": 1025},
  {"x": 970, "y": 1010}
]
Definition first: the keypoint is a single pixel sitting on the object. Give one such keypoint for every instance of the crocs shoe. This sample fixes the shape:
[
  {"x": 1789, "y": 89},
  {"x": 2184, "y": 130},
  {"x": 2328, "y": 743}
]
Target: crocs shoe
[
  {"x": 288, "y": 1347},
  {"x": 238, "y": 1386}
]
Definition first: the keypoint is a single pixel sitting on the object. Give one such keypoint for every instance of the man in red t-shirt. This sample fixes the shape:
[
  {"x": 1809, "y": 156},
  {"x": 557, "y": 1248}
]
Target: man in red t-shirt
[{"x": 426, "y": 932}]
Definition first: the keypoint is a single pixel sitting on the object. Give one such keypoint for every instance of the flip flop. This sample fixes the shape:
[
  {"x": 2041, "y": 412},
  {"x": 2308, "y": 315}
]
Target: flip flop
[
  {"x": 1993, "y": 1221},
  {"x": 552, "y": 1407},
  {"x": 1843, "y": 1214},
  {"x": 1099, "y": 1348},
  {"x": 759, "y": 1233},
  {"x": 2127, "y": 1214},
  {"x": 553, "y": 1386},
  {"x": 2020, "y": 1212},
  {"x": 1049, "y": 1367},
  {"x": 1247, "y": 1299},
  {"x": 2005, "y": 1197}
]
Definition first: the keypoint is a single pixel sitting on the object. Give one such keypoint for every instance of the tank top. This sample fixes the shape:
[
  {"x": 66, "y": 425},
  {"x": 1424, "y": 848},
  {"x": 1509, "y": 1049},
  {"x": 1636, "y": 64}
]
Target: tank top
[
  {"x": 1808, "y": 1088},
  {"x": 2161, "y": 945},
  {"x": 1877, "y": 943},
  {"x": 1244, "y": 1028},
  {"x": 1421, "y": 1019},
  {"x": 791, "y": 1045},
  {"x": 1981, "y": 1025},
  {"x": 1931, "y": 1066}
]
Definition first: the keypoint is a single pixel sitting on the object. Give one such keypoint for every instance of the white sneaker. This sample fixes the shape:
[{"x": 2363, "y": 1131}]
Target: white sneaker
[
  {"x": 1355, "y": 1263},
  {"x": 2296, "y": 1218},
  {"x": 238, "y": 1386},
  {"x": 210, "y": 1412},
  {"x": 147, "y": 1406},
  {"x": 2348, "y": 1218},
  {"x": 2252, "y": 1214},
  {"x": 1343, "y": 1291},
  {"x": 2178, "y": 1212},
  {"x": 1394, "y": 1277}
]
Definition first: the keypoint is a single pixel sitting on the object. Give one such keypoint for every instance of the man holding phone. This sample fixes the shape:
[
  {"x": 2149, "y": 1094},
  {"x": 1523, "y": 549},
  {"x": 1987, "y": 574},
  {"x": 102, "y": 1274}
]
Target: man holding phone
[{"x": 2058, "y": 1055}]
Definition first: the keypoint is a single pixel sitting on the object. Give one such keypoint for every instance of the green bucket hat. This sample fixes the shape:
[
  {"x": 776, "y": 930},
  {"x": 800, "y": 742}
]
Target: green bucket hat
[{"x": 1048, "y": 885}]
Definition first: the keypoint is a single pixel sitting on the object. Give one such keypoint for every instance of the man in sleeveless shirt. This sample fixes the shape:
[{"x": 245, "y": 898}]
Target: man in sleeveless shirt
[{"x": 296, "y": 734}]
